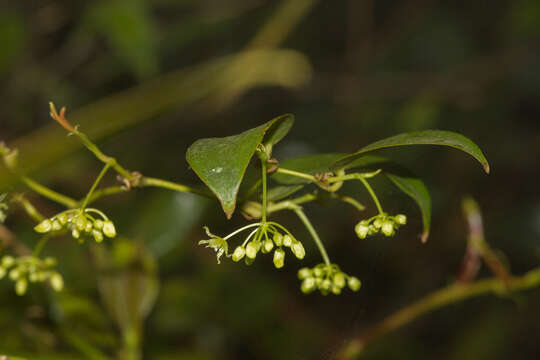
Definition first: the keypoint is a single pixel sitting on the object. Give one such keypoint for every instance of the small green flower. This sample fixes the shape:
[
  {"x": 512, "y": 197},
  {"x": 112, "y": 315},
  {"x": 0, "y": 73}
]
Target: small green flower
[
  {"x": 217, "y": 243},
  {"x": 43, "y": 227},
  {"x": 279, "y": 258},
  {"x": 238, "y": 254},
  {"x": 20, "y": 287},
  {"x": 401, "y": 219},
  {"x": 278, "y": 239},
  {"x": 109, "y": 230},
  {"x": 298, "y": 249},
  {"x": 354, "y": 283}
]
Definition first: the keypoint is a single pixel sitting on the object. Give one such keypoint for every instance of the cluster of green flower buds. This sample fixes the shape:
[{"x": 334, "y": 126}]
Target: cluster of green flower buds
[
  {"x": 382, "y": 223},
  {"x": 268, "y": 238},
  {"x": 327, "y": 279},
  {"x": 265, "y": 238},
  {"x": 27, "y": 269},
  {"x": 80, "y": 223}
]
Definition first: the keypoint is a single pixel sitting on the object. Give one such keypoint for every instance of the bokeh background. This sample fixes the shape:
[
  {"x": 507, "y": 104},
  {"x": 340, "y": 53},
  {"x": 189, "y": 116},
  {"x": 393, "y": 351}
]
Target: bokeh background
[{"x": 146, "y": 78}]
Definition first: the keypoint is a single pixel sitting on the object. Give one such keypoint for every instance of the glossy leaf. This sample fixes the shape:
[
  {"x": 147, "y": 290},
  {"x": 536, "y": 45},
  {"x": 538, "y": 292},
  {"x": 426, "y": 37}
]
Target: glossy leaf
[
  {"x": 221, "y": 162},
  {"x": 281, "y": 192},
  {"x": 427, "y": 137},
  {"x": 416, "y": 189},
  {"x": 281, "y": 127}
]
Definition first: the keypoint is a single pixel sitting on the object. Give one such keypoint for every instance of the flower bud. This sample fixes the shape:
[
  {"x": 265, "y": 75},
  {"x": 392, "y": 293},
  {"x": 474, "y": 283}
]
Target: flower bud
[
  {"x": 287, "y": 240},
  {"x": 80, "y": 222},
  {"x": 251, "y": 250},
  {"x": 387, "y": 228},
  {"x": 361, "y": 230},
  {"x": 401, "y": 219},
  {"x": 372, "y": 230},
  {"x": 43, "y": 227},
  {"x": 248, "y": 261},
  {"x": 15, "y": 273},
  {"x": 326, "y": 285},
  {"x": 279, "y": 258},
  {"x": 336, "y": 290},
  {"x": 318, "y": 272},
  {"x": 98, "y": 235},
  {"x": 75, "y": 233},
  {"x": 108, "y": 229},
  {"x": 308, "y": 285},
  {"x": 49, "y": 261},
  {"x": 268, "y": 245},
  {"x": 354, "y": 283},
  {"x": 20, "y": 287},
  {"x": 238, "y": 253},
  {"x": 278, "y": 239},
  {"x": 56, "y": 226},
  {"x": 62, "y": 219},
  {"x": 298, "y": 250},
  {"x": 98, "y": 224},
  {"x": 304, "y": 273},
  {"x": 57, "y": 282},
  {"x": 89, "y": 226},
  {"x": 33, "y": 277},
  {"x": 377, "y": 223},
  {"x": 339, "y": 280},
  {"x": 8, "y": 261}
]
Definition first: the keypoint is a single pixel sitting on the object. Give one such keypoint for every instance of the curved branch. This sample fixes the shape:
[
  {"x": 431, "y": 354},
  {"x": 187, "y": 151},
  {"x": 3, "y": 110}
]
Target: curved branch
[{"x": 448, "y": 295}]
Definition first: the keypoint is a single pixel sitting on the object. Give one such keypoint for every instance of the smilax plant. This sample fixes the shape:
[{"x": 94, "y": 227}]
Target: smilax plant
[{"x": 221, "y": 164}]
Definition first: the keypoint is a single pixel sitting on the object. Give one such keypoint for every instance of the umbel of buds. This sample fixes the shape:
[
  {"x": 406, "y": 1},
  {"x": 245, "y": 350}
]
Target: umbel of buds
[
  {"x": 80, "y": 223},
  {"x": 29, "y": 269},
  {"x": 266, "y": 238},
  {"x": 381, "y": 223},
  {"x": 327, "y": 279}
]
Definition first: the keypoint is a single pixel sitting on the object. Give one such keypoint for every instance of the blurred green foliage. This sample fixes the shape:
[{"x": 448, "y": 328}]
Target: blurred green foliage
[{"x": 147, "y": 78}]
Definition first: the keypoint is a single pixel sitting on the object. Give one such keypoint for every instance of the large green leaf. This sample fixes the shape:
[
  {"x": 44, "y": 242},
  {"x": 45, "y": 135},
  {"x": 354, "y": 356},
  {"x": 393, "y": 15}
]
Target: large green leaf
[
  {"x": 427, "y": 137},
  {"x": 222, "y": 162},
  {"x": 416, "y": 189},
  {"x": 321, "y": 163}
]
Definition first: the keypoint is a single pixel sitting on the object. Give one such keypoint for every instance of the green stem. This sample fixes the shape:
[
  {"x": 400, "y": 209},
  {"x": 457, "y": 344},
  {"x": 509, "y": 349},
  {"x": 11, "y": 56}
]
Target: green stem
[
  {"x": 49, "y": 193},
  {"x": 111, "y": 190},
  {"x": 39, "y": 246},
  {"x": 372, "y": 193},
  {"x": 101, "y": 156},
  {"x": 300, "y": 213},
  {"x": 28, "y": 207},
  {"x": 148, "y": 181},
  {"x": 296, "y": 173},
  {"x": 95, "y": 184},
  {"x": 448, "y": 295},
  {"x": 240, "y": 230},
  {"x": 264, "y": 197}
]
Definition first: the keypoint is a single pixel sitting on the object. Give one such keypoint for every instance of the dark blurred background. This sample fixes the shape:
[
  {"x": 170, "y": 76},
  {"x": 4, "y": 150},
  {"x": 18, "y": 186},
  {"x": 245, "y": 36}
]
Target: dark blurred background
[{"x": 146, "y": 78}]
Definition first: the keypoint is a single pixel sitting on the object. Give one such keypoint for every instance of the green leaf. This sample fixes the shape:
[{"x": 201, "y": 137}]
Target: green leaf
[
  {"x": 427, "y": 137},
  {"x": 416, "y": 189},
  {"x": 321, "y": 163},
  {"x": 221, "y": 162},
  {"x": 281, "y": 192},
  {"x": 281, "y": 127}
]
